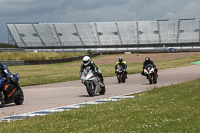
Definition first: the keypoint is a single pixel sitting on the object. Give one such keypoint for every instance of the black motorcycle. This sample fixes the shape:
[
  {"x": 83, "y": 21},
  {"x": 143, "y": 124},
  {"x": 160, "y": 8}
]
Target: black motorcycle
[
  {"x": 9, "y": 92},
  {"x": 121, "y": 75}
]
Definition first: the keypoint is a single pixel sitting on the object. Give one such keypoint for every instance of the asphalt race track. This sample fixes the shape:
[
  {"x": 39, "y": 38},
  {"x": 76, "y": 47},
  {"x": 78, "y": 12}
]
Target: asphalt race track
[{"x": 47, "y": 96}]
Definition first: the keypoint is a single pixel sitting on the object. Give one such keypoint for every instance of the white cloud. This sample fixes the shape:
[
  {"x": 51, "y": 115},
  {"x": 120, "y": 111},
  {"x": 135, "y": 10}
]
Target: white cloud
[{"x": 170, "y": 15}]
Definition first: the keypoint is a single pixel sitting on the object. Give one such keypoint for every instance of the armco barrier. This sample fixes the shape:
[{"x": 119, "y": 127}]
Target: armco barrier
[
  {"x": 12, "y": 63},
  {"x": 39, "y": 62}
]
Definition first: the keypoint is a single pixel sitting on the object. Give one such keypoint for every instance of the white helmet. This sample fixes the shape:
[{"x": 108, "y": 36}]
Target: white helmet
[{"x": 86, "y": 60}]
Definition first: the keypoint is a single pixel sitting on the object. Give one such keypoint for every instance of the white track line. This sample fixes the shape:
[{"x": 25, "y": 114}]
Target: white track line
[{"x": 63, "y": 108}]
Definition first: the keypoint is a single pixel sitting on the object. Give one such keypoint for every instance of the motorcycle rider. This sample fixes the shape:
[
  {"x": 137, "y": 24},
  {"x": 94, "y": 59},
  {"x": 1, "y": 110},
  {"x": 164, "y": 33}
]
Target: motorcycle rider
[
  {"x": 146, "y": 62},
  {"x": 7, "y": 75},
  {"x": 87, "y": 63},
  {"x": 123, "y": 64}
]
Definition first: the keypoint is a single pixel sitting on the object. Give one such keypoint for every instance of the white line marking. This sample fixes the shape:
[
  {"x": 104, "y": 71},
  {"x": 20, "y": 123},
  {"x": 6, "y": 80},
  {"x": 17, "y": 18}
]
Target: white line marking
[{"x": 63, "y": 108}]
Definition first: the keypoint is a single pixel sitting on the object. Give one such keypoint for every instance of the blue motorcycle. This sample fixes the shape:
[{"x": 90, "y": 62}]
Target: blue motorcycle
[{"x": 9, "y": 92}]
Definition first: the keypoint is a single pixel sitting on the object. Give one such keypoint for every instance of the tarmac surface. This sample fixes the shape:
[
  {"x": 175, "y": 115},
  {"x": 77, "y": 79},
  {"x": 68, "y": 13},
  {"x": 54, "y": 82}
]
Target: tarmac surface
[{"x": 47, "y": 96}]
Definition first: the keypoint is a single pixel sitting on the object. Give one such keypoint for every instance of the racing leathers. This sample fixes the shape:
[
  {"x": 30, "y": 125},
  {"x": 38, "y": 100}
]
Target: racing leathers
[
  {"x": 94, "y": 69},
  {"x": 123, "y": 64},
  {"x": 7, "y": 75}
]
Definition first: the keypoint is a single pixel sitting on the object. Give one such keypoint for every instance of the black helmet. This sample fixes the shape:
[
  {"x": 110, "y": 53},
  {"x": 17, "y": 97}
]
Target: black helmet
[
  {"x": 147, "y": 59},
  {"x": 120, "y": 59}
]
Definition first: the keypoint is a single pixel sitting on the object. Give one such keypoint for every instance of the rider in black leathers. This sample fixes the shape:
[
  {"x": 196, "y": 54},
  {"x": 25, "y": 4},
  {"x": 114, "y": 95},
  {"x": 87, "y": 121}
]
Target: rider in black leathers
[
  {"x": 7, "y": 75},
  {"x": 88, "y": 63},
  {"x": 146, "y": 62}
]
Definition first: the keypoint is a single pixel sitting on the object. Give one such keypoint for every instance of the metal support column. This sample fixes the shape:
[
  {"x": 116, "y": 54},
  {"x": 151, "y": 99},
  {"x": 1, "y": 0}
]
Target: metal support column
[
  {"x": 138, "y": 41},
  {"x": 78, "y": 34},
  {"x": 120, "y": 38},
  {"x": 57, "y": 35},
  {"x": 199, "y": 31},
  {"x": 177, "y": 40},
  {"x": 19, "y": 35},
  {"x": 159, "y": 35},
  {"x": 38, "y": 35},
  {"x": 97, "y": 34}
]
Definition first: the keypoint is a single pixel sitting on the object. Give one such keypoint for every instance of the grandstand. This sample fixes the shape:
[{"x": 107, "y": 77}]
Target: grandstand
[{"x": 182, "y": 32}]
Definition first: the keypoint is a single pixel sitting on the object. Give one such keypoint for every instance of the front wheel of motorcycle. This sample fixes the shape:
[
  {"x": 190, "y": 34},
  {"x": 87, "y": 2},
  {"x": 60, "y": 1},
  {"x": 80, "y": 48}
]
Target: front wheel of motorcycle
[
  {"x": 150, "y": 79},
  {"x": 2, "y": 102},
  {"x": 19, "y": 99},
  {"x": 90, "y": 88},
  {"x": 119, "y": 78}
]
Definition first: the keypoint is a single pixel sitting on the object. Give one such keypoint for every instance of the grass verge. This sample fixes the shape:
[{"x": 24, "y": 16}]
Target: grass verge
[
  {"x": 38, "y": 56},
  {"x": 5, "y": 45},
  {"x": 44, "y": 74},
  {"x": 173, "y": 108}
]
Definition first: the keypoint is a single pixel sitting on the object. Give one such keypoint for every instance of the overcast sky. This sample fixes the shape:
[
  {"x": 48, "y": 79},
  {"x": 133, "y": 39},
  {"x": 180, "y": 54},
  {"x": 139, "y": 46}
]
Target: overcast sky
[{"x": 48, "y": 11}]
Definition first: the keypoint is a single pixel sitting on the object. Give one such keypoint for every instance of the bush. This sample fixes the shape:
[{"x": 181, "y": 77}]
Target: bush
[{"x": 89, "y": 52}]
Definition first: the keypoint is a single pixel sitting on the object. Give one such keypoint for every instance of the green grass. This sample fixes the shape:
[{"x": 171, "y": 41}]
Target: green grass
[
  {"x": 38, "y": 55},
  {"x": 172, "y": 109},
  {"x": 5, "y": 45},
  {"x": 43, "y": 74}
]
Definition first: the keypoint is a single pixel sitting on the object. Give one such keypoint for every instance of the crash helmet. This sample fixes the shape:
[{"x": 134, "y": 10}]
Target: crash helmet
[
  {"x": 147, "y": 59},
  {"x": 86, "y": 60},
  {"x": 120, "y": 59}
]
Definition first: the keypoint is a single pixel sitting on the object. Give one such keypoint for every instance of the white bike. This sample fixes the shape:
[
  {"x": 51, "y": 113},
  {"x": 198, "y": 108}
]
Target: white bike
[
  {"x": 92, "y": 83},
  {"x": 150, "y": 73}
]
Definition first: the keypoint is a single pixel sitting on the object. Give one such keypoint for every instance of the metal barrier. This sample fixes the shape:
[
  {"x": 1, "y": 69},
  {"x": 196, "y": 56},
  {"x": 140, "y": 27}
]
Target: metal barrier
[{"x": 12, "y": 63}]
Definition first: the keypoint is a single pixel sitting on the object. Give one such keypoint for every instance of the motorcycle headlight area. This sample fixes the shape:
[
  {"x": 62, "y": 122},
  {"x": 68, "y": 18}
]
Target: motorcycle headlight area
[{"x": 152, "y": 70}]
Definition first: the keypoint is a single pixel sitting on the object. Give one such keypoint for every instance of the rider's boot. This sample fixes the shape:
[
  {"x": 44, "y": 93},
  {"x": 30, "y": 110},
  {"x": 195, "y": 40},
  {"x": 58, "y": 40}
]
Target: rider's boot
[
  {"x": 102, "y": 82},
  {"x": 156, "y": 72},
  {"x": 126, "y": 74}
]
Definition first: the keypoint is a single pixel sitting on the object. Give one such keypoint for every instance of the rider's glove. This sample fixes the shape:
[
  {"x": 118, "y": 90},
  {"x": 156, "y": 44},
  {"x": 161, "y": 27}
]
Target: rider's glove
[
  {"x": 12, "y": 78},
  {"x": 95, "y": 73}
]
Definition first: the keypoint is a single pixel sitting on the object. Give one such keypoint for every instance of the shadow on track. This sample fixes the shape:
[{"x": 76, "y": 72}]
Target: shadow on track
[{"x": 88, "y": 95}]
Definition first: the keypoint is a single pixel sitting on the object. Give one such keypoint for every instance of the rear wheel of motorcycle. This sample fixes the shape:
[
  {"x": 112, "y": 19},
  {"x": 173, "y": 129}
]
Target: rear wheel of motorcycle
[
  {"x": 119, "y": 78},
  {"x": 150, "y": 79},
  {"x": 2, "y": 103},
  {"x": 90, "y": 89},
  {"x": 103, "y": 90},
  {"x": 19, "y": 99},
  {"x": 155, "y": 79},
  {"x": 123, "y": 79}
]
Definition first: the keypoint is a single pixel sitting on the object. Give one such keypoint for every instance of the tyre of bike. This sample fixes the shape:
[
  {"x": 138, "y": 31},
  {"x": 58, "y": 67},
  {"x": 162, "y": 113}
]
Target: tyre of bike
[
  {"x": 123, "y": 78},
  {"x": 19, "y": 98},
  {"x": 2, "y": 102},
  {"x": 154, "y": 79},
  {"x": 119, "y": 78},
  {"x": 90, "y": 88},
  {"x": 150, "y": 77}
]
